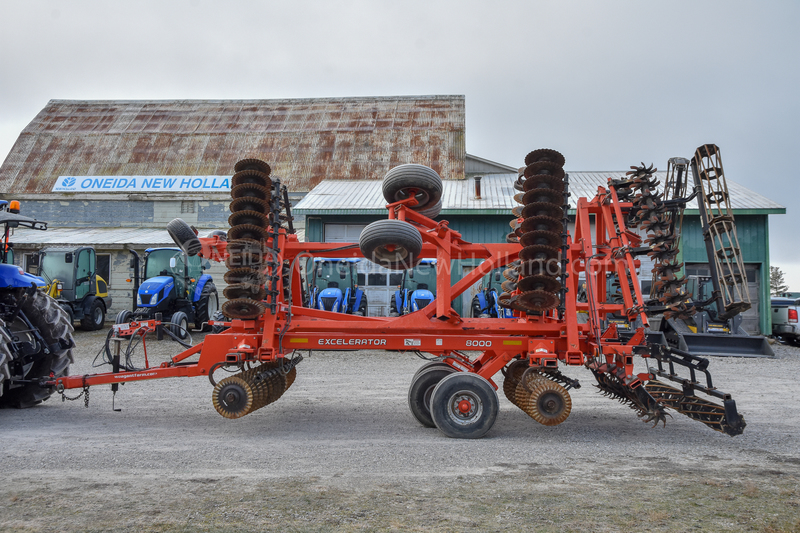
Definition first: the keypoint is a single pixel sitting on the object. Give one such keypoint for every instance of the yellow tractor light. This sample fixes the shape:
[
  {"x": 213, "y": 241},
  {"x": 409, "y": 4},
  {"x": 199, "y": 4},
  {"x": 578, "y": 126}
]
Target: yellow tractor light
[{"x": 13, "y": 206}]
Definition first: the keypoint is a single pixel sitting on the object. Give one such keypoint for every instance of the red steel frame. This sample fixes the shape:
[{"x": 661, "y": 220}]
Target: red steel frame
[{"x": 545, "y": 340}]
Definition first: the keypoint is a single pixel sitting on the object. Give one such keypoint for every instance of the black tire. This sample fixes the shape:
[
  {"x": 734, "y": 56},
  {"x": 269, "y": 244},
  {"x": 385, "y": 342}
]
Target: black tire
[
  {"x": 431, "y": 364},
  {"x": 219, "y": 316},
  {"x": 47, "y": 316},
  {"x": 431, "y": 212},
  {"x": 5, "y": 357},
  {"x": 404, "y": 239},
  {"x": 475, "y": 307},
  {"x": 362, "y": 307},
  {"x": 70, "y": 314},
  {"x": 473, "y": 393},
  {"x": 96, "y": 317},
  {"x": 123, "y": 317},
  {"x": 406, "y": 180},
  {"x": 421, "y": 390},
  {"x": 206, "y": 307},
  {"x": 179, "y": 325},
  {"x": 184, "y": 237}
]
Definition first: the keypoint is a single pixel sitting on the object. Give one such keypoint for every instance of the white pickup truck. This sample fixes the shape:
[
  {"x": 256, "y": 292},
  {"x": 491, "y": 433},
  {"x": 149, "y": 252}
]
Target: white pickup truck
[{"x": 784, "y": 319}]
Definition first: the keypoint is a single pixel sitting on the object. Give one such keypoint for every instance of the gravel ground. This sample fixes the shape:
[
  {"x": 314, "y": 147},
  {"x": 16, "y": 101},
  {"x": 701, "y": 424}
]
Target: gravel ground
[{"x": 341, "y": 451}]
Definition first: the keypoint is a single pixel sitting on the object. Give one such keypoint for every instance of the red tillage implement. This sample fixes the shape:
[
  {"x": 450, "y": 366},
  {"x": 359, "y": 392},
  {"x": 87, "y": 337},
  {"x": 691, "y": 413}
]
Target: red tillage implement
[{"x": 553, "y": 277}]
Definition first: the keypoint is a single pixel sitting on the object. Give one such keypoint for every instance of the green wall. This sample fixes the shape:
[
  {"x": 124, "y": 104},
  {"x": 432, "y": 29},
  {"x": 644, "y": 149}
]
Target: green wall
[{"x": 752, "y": 230}]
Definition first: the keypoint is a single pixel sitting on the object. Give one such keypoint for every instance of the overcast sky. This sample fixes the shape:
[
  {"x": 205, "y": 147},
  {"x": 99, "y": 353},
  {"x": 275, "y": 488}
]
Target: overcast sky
[{"x": 607, "y": 83}]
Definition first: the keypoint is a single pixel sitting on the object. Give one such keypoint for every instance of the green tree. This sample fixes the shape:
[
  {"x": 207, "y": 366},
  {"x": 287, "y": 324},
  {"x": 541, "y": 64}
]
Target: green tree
[{"x": 777, "y": 284}]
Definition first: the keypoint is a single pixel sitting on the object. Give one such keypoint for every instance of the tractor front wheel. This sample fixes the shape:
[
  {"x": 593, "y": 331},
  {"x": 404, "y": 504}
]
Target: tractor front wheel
[
  {"x": 96, "y": 317},
  {"x": 179, "y": 325},
  {"x": 464, "y": 406}
]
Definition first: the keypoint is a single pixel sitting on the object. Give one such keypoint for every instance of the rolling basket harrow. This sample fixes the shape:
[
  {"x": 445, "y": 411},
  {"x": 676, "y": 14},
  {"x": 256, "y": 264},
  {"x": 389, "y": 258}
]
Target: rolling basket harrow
[{"x": 269, "y": 326}]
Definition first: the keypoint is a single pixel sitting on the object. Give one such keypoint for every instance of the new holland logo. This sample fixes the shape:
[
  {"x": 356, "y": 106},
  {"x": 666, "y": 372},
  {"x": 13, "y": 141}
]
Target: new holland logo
[{"x": 68, "y": 182}]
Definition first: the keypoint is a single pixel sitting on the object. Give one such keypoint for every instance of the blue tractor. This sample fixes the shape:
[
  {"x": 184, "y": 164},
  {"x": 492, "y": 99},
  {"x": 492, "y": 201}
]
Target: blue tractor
[
  {"x": 176, "y": 287},
  {"x": 414, "y": 292},
  {"x": 333, "y": 286},
  {"x": 35, "y": 331},
  {"x": 485, "y": 304}
]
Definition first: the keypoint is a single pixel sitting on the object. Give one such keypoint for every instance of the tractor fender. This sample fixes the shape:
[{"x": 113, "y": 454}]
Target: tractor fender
[
  {"x": 357, "y": 301},
  {"x": 201, "y": 284},
  {"x": 12, "y": 276},
  {"x": 482, "y": 301},
  {"x": 86, "y": 306},
  {"x": 346, "y": 300}
]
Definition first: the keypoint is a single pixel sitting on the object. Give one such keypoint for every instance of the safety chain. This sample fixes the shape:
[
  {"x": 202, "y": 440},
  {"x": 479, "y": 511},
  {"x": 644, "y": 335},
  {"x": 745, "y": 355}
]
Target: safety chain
[{"x": 84, "y": 394}]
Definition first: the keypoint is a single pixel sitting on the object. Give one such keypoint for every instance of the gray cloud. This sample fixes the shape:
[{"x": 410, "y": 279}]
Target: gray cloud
[{"x": 609, "y": 84}]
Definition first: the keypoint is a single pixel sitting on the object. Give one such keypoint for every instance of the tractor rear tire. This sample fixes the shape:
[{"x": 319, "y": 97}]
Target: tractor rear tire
[
  {"x": 219, "y": 316},
  {"x": 206, "y": 307},
  {"x": 421, "y": 390},
  {"x": 179, "y": 325},
  {"x": 392, "y": 244},
  {"x": 5, "y": 356},
  {"x": 52, "y": 321},
  {"x": 184, "y": 236},
  {"x": 420, "y": 181},
  {"x": 96, "y": 318},
  {"x": 464, "y": 406}
]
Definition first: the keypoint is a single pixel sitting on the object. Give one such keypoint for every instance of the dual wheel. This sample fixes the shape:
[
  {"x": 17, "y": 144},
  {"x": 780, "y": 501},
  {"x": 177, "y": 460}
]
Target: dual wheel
[
  {"x": 397, "y": 244},
  {"x": 462, "y": 405}
]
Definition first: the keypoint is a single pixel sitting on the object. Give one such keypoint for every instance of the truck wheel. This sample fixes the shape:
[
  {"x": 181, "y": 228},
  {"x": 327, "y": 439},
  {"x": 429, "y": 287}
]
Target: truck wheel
[
  {"x": 464, "y": 406},
  {"x": 206, "y": 307},
  {"x": 179, "y": 325},
  {"x": 52, "y": 322},
  {"x": 96, "y": 317},
  {"x": 422, "y": 386},
  {"x": 409, "y": 180},
  {"x": 392, "y": 244},
  {"x": 184, "y": 237}
]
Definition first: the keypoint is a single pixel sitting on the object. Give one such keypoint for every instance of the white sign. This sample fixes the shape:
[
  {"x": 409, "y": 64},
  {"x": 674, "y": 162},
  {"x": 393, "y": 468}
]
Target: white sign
[{"x": 142, "y": 183}]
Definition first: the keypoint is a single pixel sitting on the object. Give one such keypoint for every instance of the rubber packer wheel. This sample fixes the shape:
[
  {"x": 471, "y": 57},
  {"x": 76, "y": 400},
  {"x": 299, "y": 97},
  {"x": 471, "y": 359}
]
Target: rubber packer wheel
[
  {"x": 421, "y": 390},
  {"x": 392, "y": 244},
  {"x": 464, "y": 406},
  {"x": 184, "y": 237},
  {"x": 409, "y": 180}
]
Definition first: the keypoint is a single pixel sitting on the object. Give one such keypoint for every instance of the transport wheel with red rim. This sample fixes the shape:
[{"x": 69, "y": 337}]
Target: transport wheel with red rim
[{"x": 464, "y": 406}]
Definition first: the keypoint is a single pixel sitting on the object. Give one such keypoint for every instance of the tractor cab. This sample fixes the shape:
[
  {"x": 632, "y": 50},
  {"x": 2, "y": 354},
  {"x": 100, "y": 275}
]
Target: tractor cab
[
  {"x": 486, "y": 304},
  {"x": 333, "y": 286},
  {"x": 72, "y": 280},
  {"x": 414, "y": 292}
]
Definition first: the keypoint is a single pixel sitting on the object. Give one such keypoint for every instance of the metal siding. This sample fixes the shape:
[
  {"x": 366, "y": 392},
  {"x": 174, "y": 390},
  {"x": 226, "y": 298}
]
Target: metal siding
[{"x": 304, "y": 140}]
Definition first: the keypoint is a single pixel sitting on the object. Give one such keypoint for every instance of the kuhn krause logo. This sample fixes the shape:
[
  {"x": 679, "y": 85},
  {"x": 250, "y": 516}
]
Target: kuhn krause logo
[{"x": 142, "y": 183}]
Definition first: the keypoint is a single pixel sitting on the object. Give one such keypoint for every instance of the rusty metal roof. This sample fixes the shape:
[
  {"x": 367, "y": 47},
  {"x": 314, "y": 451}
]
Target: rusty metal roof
[{"x": 304, "y": 140}]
